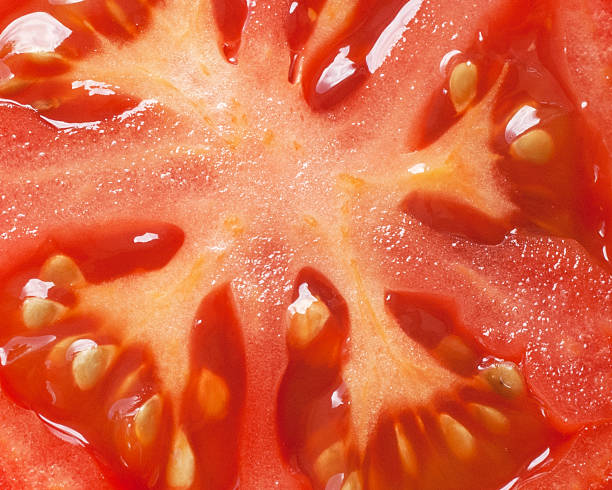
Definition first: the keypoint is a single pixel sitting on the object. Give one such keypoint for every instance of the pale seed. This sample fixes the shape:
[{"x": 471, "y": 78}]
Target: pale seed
[
  {"x": 454, "y": 352},
  {"x": 180, "y": 471},
  {"x": 463, "y": 85},
  {"x": 405, "y": 450},
  {"x": 62, "y": 271},
  {"x": 505, "y": 379},
  {"x": 39, "y": 312},
  {"x": 535, "y": 146},
  {"x": 331, "y": 461},
  {"x": 353, "y": 482},
  {"x": 308, "y": 317},
  {"x": 213, "y": 395},
  {"x": 90, "y": 365},
  {"x": 459, "y": 440},
  {"x": 420, "y": 423},
  {"x": 493, "y": 420},
  {"x": 148, "y": 419}
]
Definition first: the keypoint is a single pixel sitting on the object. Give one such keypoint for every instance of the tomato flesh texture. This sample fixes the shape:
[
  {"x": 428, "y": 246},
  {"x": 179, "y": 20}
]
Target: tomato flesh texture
[
  {"x": 30, "y": 457},
  {"x": 39, "y": 365}
]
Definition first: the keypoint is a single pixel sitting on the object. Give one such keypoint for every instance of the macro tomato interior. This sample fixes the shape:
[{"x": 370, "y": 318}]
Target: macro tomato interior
[{"x": 327, "y": 244}]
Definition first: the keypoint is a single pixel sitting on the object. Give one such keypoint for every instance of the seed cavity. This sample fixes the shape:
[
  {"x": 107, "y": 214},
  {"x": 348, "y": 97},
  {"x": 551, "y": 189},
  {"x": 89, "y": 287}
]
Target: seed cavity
[
  {"x": 180, "y": 471},
  {"x": 405, "y": 450},
  {"x": 352, "y": 482},
  {"x": 38, "y": 312},
  {"x": 90, "y": 365},
  {"x": 505, "y": 379},
  {"x": 535, "y": 146},
  {"x": 148, "y": 419},
  {"x": 308, "y": 317},
  {"x": 492, "y": 419},
  {"x": 331, "y": 461},
  {"x": 459, "y": 440},
  {"x": 213, "y": 395},
  {"x": 463, "y": 85},
  {"x": 62, "y": 271}
]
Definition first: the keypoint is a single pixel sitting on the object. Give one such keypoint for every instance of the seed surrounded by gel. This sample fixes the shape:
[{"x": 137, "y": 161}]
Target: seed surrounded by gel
[
  {"x": 505, "y": 379},
  {"x": 463, "y": 84},
  {"x": 180, "y": 472},
  {"x": 90, "y": 365},
  {"x": 213, "y": 395},
  {"x": 459, "y": 440},
  {"x": 62, "y": 271},
  {"x": 308, "y": 317},
  {"x": 39, "y": 312},
  {"x": 147, "y": 420},
  {"x": 535, "y": 146},
  {"x": 405, "y": 450}
]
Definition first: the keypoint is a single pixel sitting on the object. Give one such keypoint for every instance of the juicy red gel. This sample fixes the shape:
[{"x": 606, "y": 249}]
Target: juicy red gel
[
  {"x": 120, "y": 412},
  {"x": 107, "y": 254},
  {"x": 217, "y": 346},
  {"x": 313, "y": 402},
  {"x": 344, "y": 65},
  {"x": 479, "y": 433},
  {"x": 231, "y": 17},
  {"x": 569, "y": 195},
  {"x": 512, "y": 439},
  {"x": 301, "y": 23}
]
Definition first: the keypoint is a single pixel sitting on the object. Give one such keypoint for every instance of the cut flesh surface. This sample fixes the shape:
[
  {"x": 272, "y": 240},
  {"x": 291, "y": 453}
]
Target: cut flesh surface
[{"x": 196, "y": 198}]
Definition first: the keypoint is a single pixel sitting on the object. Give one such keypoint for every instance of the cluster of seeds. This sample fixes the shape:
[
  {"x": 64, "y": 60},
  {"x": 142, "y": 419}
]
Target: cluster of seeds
[
  {"x": 89, "y": 371},
  {"x": 467, "y": 429},
  {"x": 534, "y": 145}
]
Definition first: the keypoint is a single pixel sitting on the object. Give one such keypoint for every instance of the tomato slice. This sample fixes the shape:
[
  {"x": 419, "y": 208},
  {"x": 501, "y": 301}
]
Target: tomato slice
[{"x": 390, "y": 269}]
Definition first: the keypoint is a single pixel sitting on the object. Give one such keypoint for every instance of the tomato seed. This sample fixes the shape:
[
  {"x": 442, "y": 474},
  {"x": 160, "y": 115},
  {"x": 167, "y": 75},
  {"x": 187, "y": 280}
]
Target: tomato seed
[
  {"x": 120, "y": 17},
  {"x": 535, "y": 146},
  {"x": 308, "y": 317},
  {"x": 213, "y": 395},
  {"x": 90, "y": 365},
  {"x": 352, "y": 482},
  {"x": 148, "y": 419},
  {"x": 459, "y": 440},
  {"x": 180, "y": 471},
  {"x": 505, "y": 379},
  {"x": 493, "y": 420},
  {"x": 331, "y": 461},
  {"x": 405, "y": 450},
  {"x": 463, "y": 83},
  {"x": 455, "y": 354},
  {"x": 39, "y": 312},
  {"x": 62, "y": 271}
]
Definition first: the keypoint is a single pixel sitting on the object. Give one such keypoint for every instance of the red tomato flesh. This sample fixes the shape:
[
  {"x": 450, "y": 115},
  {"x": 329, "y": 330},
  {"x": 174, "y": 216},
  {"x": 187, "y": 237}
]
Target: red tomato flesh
[{"x": 390, "y": 270}]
